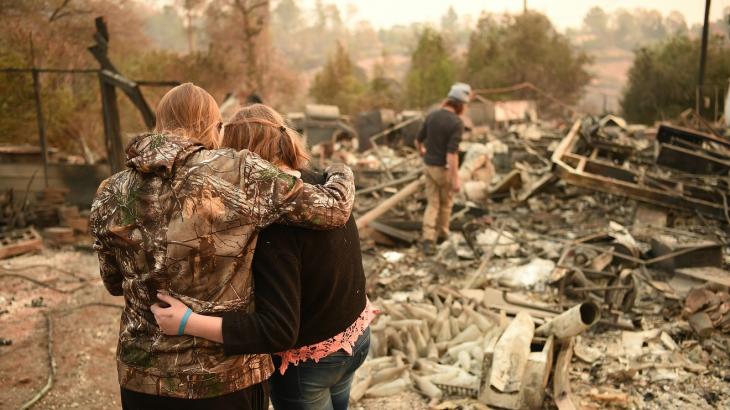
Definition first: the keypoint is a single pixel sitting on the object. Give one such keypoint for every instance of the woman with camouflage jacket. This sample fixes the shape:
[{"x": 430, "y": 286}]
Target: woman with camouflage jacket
[{"x": 183, "y": 219}]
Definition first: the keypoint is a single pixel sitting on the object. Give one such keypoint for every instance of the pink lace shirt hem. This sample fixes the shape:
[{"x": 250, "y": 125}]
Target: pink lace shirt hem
[{"x": 345, "y": 341}]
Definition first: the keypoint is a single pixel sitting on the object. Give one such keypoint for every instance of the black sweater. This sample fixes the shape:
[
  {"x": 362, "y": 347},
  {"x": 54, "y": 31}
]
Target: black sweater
[{"x": 309, "y": 286}]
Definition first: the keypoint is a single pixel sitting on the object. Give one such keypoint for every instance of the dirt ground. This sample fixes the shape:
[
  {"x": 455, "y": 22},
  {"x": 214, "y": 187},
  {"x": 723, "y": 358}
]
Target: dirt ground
[
  {"x": 85, "y": 323},
  {"x": 84, "y": 332}
]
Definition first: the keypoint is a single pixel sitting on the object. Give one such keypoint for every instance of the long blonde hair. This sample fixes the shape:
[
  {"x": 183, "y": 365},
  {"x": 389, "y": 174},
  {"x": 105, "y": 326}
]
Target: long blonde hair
[
  {"x": 190, "y": 111},
  {"x": 260, "y": 129}
]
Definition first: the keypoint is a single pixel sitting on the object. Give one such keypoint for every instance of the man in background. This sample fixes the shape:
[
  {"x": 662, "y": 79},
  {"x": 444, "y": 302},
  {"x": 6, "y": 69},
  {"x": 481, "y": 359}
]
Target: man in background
[{"x": 438, "y": 143}]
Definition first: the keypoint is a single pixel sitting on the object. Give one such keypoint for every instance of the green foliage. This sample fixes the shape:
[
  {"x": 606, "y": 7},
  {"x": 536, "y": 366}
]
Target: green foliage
[
  {"x": 340, "y": 82},
  {"x": 663, "y": 78},
  {"x": 382, "y": 91},
  {"x": 60, "y": 33},
  {"x": 525, "y": 48},
  {"x": 431, "y": 73},
  {"x": 16, "y": 101}
]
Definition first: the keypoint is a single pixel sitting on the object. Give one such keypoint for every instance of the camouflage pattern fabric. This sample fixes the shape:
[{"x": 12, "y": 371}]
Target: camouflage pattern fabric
[{"x": 184, "y": 219}]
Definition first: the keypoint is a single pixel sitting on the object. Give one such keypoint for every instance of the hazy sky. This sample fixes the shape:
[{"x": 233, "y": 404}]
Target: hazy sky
[{"x": 563, "y": 13}]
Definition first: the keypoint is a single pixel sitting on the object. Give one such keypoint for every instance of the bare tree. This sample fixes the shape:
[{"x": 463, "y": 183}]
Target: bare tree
[
  {"x": 65, "y": 9},
  {"x": 238, "y": 31},
  {"x": 254, "y": 18},
  {"x": 191, "y": 9}
]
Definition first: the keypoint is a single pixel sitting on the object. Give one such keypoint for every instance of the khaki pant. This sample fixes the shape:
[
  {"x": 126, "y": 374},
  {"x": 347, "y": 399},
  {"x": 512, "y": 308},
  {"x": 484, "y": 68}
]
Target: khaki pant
[{"x": 440, "y": 199}]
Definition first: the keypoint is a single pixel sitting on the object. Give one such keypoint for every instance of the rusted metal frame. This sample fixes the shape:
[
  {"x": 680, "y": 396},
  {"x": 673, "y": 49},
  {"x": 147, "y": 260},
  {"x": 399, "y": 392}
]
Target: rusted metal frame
[
  {"x": 131, "y": 88},
  {"x": 667, "y": 153},
  {"x": 625, "y": 188},
  {"x": 39, "y": 106},
  {"x": 41, "y": 124},
  {"x": 50, "y": 70},
  {"x": 162, "y": 83},
  {"x": 667, "y": 131}
]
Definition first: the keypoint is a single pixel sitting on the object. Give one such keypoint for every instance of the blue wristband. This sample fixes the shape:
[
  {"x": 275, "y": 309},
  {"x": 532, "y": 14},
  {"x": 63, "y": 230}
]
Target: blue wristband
[{"x": 183, "y": 322}]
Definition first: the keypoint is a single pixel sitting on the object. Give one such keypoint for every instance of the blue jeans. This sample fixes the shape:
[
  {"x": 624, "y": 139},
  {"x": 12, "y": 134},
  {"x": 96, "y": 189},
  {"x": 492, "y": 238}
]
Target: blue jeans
[{"x": 324, "y": 385}]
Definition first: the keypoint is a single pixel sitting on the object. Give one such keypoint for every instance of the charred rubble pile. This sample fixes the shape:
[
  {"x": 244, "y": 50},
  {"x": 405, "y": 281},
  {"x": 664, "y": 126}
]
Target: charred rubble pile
[
  {"x": 37, "y": 203},
  {"x": 585, "y": 269},
  {"x": 29, "y": 225}
]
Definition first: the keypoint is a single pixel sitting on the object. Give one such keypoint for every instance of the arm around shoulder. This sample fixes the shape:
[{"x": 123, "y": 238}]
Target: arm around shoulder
[{"x": 325, "y": 206}]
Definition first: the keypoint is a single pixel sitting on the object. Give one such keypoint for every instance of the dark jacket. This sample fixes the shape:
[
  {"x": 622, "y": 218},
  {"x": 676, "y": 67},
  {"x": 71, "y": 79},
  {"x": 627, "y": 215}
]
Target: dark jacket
[
  {"x": 185, "y": 220},
  {"x": 310, "y": 286}
]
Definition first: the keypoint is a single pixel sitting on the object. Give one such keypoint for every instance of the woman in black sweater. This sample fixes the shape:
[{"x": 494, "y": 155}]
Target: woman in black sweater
[{"x": 311, "y": 308}]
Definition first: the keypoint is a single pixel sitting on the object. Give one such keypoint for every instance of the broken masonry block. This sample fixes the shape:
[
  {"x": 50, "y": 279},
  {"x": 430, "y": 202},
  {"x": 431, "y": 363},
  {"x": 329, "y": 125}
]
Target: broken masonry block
[{"x": 19, "y": 241}]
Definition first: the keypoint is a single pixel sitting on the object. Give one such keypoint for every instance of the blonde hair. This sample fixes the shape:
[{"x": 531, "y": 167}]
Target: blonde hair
[
  {"x": 260, "y": 129},
  {"x": 190, "y": 111}
]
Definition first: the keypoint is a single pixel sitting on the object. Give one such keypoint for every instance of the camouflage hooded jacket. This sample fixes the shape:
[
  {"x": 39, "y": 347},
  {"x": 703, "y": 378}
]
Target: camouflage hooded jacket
[{"x": 184, "y": 219}]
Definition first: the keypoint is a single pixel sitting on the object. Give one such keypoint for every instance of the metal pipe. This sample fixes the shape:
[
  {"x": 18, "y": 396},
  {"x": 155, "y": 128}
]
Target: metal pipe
[
  {"x": 41, "y": 125},
  {"x": 50, "y": 70},
  {"x": 572, "y": 322},
  {"x": 703, "y": 53}
]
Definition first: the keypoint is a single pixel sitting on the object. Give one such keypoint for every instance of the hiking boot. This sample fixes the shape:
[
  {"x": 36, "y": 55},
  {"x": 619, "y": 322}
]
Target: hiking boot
[{"x": 429, "y": 248}]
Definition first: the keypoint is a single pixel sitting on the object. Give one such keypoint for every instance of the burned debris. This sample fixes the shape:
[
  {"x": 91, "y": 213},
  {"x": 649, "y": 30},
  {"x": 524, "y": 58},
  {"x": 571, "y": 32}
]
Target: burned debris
[
  {"x": 586, "y": 265},
  {"x": 585, "y": 268}
]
